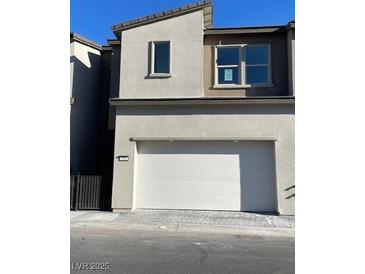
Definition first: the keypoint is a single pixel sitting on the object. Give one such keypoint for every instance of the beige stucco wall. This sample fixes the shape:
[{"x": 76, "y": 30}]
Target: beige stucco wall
[
  {"x": 186, "y": 35},
  {"x": 83, "y": 52},
  {"x": 223, "y": 121}
]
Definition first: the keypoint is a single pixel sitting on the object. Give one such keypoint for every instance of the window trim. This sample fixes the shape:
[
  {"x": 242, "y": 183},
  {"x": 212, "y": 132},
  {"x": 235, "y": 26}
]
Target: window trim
[
  {"x": 242, "y": 67},
  {"x": 152, "y": 73},
  {"x": 239, "y": 65}
]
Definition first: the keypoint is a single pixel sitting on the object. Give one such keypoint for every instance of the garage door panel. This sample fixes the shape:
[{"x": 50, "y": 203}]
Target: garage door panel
[
  {"x": 180, "y": 173},
  {"x": 257, "y": 155},
  {"x": 215, "y": 175},
  {"x": 209, "y": 160},
  {"x": 256, "y": 161},
  {"x": 258, "y": 189},
  {"x": 258, "y": 203},
  {"x": 183, "y": 187},
  {"x": 256, "y": 173},
  {"x": 178, "y": 201}
]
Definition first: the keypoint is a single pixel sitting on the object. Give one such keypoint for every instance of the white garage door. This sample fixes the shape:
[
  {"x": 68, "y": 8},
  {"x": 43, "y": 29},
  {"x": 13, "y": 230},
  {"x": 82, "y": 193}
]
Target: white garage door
[{"x": 206, "y": 175}]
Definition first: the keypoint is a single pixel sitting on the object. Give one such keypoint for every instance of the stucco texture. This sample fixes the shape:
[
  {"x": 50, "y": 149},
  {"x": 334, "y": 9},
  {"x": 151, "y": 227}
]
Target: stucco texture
[
  {"x": 279, "y": 63},
  {"x": 224, "y": 121},
  {"x": 185, "y": 34}
]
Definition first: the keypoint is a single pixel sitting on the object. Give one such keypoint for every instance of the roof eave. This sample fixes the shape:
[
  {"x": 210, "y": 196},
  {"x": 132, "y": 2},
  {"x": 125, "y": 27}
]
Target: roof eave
[
  {"x": 113, "y": 42},
  {"x": 291, "y": 25},
  {"x": 244, "y": 30},
  {"x": 85, "y": 41},
  {"x": 118, "y": 28}
]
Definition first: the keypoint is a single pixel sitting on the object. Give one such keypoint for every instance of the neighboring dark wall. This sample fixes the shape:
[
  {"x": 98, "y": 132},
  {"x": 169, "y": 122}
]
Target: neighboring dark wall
[
  {"x": 105, "y": 143},
  {"x": 279, "y": 61},
  {"x": 84, "y": 113},
  {"x": 92, "y": 142}
]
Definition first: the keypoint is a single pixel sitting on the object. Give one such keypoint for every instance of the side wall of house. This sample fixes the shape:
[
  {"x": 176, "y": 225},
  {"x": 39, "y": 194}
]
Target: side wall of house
[
  {"x": 201, "y": 121},
  {"x": 85, "y": 64},
  {"x": 185, "y": 32}
]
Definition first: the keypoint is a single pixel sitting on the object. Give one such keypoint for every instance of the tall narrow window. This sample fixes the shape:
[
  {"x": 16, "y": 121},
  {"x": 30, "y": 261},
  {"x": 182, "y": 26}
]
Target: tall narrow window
[
  {"x": 161, "y": 57},
  {"x": 228, "y": 62}
]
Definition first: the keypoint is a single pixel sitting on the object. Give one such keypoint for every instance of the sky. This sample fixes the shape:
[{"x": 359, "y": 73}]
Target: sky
[{"x": 94, "y": 18}]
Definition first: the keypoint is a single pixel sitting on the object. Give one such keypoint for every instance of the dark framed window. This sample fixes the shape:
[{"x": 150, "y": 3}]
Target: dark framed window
[
  {"x": 228, "y": 65},
  {"x": 257, "y": 60},
  {"x": 161, "y": 57},
  {"x": 243, "y": 65}
]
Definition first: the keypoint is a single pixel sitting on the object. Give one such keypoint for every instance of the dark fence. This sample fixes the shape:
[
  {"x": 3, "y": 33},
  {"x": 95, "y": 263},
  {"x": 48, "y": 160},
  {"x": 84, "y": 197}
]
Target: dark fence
[
  {"x": 86, "y": 192},
  {"x": 73, "y": 191}
]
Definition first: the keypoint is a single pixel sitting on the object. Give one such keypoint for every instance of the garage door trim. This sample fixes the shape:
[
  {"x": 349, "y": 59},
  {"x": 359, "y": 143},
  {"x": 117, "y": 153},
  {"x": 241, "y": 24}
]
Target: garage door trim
[
  {"x": 261, "y": 138},
  {"x": 273, "y": 139}
]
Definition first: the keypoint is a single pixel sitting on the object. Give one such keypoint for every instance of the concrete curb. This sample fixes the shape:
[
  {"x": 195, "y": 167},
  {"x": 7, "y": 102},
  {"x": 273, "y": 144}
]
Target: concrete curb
[{"x": 195, "y": 228}]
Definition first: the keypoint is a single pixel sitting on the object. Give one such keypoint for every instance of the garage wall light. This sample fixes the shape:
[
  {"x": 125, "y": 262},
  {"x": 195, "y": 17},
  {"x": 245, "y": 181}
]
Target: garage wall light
[{"x": 122, "y": 158}]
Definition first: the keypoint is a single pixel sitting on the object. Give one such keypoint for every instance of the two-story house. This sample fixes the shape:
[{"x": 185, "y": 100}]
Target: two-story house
[{"x": 203, "y": 117}]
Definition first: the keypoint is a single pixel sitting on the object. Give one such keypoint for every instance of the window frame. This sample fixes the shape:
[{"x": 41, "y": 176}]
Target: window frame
[
  {"x": 152, "y": 60},
  {"x": 239, "y": 65},
  {"x": 242, "y": 66}
]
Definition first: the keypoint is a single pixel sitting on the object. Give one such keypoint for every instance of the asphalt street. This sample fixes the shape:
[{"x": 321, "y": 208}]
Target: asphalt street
[{"x": 105, "y": 250}]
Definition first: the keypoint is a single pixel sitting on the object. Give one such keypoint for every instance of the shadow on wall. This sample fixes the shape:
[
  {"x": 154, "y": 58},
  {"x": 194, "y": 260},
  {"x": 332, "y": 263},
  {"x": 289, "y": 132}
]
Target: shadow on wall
[
  {"x": 292, "y": 189},
  {"x": 207, "y": 110},
  {"x": 84, "y": 113},
  {"x": 258, "y": 178},
  {"x": 91, "y": 142}
]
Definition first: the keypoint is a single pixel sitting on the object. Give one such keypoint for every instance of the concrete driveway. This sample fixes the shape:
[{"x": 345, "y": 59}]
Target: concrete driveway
[
  {"x": 161, "y": 251},
  {"x": 181, "y": 241},
  {"x": 189, "y": 221}
]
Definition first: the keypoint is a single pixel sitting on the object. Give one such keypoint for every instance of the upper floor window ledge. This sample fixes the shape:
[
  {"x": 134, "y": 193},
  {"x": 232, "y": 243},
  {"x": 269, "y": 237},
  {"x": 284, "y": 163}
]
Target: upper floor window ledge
[
  {"x": 225, "y": 86},
  {"x": 160, "y": 75}
]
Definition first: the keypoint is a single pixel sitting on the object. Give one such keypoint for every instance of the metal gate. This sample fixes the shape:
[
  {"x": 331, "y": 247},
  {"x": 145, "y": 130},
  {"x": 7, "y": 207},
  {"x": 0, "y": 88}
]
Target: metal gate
[{"x": 85, "y": 192}]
